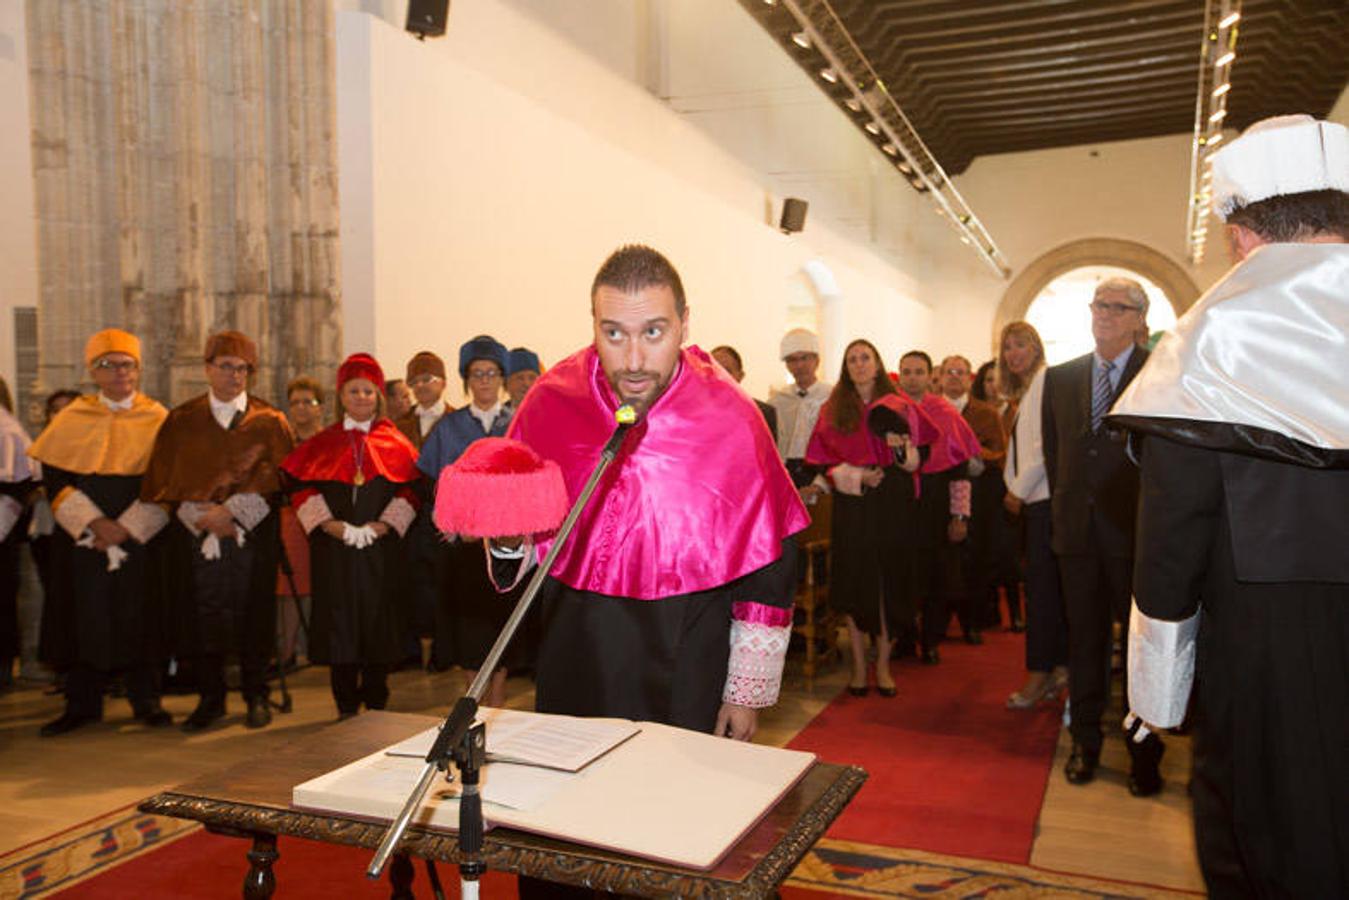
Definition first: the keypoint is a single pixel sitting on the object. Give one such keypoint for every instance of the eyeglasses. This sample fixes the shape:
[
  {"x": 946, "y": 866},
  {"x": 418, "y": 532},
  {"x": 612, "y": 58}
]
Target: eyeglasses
[
  {"x": 1114, "y": 309},
  {"x": 423, "y": 379},
  {"x": 484, "y": 375},
  {"x": 124, "y": 365},
  {"x": 308, "y": 402},
  {"x": 233, "y": 369}
]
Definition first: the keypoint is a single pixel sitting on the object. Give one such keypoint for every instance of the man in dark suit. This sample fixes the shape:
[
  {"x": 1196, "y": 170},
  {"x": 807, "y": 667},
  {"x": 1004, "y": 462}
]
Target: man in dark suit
[
  {"x": 1094, "y": 494},
  {"x": 729, "y": 358}
]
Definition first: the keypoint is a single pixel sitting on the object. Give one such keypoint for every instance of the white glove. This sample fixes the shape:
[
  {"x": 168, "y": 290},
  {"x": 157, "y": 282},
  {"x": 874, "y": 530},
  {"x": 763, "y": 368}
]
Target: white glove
[
  {"x": 116, "y": 555},
  {"x": 210, "y": 545},
  {"x": 359, "y": 537}
]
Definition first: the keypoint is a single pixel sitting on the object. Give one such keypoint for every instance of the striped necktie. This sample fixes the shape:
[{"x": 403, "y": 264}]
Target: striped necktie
[{"x": 1101, "y": 394}]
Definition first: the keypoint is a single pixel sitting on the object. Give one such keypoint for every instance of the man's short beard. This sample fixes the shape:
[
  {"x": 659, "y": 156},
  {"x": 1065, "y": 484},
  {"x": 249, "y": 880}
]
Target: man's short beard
[{"x": 645, "y": 401}]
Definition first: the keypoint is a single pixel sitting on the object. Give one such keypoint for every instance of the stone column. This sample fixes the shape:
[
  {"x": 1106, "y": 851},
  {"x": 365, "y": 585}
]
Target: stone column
[{"x": 185, "y": 166}]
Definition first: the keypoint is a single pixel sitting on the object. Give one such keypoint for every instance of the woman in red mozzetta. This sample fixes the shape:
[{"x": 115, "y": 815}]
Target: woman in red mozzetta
[{"x": 355, "y": 500}]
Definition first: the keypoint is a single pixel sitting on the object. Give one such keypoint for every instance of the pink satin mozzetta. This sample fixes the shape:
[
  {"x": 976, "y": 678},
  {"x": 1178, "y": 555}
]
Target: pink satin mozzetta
[
  {"x": 860, "y": 447},
  {"x": 761, "y": 614},
  {"x": 957, "y": 441},
  {"x": 696, "y": 498}
]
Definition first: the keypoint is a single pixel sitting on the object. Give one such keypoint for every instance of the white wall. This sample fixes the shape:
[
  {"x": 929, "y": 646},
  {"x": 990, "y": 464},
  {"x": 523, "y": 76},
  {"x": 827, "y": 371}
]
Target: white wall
[
  {"x": 18, "y": 230},
  {"x": 490, "y": 206}
]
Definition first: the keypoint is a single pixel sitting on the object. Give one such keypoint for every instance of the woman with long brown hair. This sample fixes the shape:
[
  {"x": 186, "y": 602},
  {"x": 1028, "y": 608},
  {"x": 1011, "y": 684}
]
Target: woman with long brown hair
[
  {"x": 873, "y": 496},
  {"x": 1021, "y": 374}
]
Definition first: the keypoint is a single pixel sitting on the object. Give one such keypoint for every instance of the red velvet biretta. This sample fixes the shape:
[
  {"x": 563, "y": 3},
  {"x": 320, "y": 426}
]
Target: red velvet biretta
[
  {"x": 500, "y": 488},
  {"x": 231, "y": 343},
  {"x": 360, "y": 365}
]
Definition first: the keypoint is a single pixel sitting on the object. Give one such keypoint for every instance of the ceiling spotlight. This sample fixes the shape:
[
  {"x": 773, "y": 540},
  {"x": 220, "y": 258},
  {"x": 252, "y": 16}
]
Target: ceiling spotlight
[
  {"x": 890, "y": 149},
  {"x": 1222, "y": 89},
  {"x": 872, "y": 128},
  {"x": 1232, "y": 19},
  {"x": 801, "y": 39},
  {"x": 829, "y": 75},
  {"x": 853, "y": 104},
  {"x": 1224, "y": 59},
  {"x": 906, "y": 168},
  {"x": 1213, "y": 139},
  {"x": 1218, "y": 115}
]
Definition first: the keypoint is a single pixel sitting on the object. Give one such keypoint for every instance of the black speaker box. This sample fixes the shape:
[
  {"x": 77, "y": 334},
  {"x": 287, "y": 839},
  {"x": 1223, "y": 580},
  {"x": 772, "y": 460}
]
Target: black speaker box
[
  {"x": 426, "y": 18},
  {"x": 793, "y": 215}
]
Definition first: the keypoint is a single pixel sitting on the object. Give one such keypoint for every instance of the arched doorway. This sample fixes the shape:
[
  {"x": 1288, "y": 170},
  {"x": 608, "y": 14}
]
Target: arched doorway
[
  {"x": 1093, "y": 256},
  {"x": 1060, "y": 313}
]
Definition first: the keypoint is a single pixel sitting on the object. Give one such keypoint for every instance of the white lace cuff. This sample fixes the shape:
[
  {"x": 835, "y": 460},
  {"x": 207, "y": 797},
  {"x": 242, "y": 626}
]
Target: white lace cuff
[
  {"x": 847, "y": 479},
  {"x": 190, "y": 513},
  {"x": 74, "y": 511},
  {"x": 754, "y": 672},
  {"x": 398, "y": 515},
  {"x": 143, "y": 520},
  {"x": 959, "y": 493},
  {"x": 10, "y": 510},
  {"x": 313, "y": 512},
  {"x": 247, "y": 509}
]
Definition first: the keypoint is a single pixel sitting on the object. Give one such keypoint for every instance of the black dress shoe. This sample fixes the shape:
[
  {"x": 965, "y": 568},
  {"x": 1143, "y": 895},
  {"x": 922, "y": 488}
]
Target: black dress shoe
[
  {"x": 345, "y": 714},
  {"x": 858, "y": 691},
  {"x": 931, "y": 657},
  {"x": 259, "y": 713},
  {"x": 1081, "y": 767},
  {"x": 68, "y": 722},
  {"x": 1145, "y": 757},
  {"x": 974, "y": 637},
  {"x": 887, "y": 691},
  {"x": 154, "y": 717},
  {"x": 204, "y": 716}
]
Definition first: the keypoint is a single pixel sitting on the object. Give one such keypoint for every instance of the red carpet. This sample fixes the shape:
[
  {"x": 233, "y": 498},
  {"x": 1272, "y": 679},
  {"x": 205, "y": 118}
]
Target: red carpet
[
  {"x": 205, "y": 866},
  {"x": 952, "y": 771}
]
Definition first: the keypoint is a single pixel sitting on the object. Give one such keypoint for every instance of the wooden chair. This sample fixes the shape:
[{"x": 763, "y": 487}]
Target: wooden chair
[{"x": 816, "y": 622}]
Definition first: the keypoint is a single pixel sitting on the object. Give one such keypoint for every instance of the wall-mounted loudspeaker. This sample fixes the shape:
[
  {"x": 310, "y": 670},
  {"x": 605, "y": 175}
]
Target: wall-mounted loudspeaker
[
  {"x": 793, "y": 215},
  {"x": 426, "y": 18}
]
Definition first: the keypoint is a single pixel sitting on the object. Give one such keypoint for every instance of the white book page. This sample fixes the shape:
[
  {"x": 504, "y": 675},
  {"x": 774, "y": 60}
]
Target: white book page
[{"x": 565, "y": 743}]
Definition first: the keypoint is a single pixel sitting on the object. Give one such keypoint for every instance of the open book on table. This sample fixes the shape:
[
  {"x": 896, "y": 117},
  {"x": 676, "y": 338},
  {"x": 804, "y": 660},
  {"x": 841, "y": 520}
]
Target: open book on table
[{"x": 664, "y": 793}]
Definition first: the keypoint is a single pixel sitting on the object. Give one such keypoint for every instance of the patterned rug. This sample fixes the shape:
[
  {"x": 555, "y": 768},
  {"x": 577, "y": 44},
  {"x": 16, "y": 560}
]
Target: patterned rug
[
  {"x": 70, "y": 856},
  {"x": 848, "y": 869},
  {"x": 832, "y": 868}
]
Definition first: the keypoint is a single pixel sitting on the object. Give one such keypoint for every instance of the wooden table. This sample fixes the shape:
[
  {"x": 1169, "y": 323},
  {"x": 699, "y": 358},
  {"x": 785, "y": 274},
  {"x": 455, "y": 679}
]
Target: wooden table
[{"x": 252, "y": 800}]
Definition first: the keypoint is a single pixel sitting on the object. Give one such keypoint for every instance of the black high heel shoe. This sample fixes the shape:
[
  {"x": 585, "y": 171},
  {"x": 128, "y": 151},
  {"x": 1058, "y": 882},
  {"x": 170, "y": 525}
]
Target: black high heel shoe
[{"x": 858, "y": 691}]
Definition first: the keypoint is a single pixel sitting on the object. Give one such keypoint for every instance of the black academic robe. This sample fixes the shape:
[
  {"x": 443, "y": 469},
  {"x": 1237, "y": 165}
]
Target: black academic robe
[
  {"x": 1260, "y": 545},
  {"x": 648, "y": 660},
  {"x": 870, "y": 535},
  {"x": 90, "y": 616},
  {"x": 359, "y": 596},
  {"x": 9, "y": 572}
]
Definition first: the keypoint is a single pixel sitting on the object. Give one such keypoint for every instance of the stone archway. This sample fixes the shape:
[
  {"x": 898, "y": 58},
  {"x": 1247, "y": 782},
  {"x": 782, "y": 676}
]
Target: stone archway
[{"x": 1157, "y": 267}]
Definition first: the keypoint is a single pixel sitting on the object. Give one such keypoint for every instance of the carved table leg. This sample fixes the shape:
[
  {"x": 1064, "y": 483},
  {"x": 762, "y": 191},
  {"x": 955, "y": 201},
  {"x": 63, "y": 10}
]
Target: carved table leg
[
  {"x": 401, "y": 873},
  {"x": 260, "y": 882}
]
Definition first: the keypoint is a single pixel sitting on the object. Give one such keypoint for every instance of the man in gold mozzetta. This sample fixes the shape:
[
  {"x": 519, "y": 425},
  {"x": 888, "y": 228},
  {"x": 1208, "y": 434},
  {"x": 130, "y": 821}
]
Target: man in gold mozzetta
[{"x": 107, "y": 613}]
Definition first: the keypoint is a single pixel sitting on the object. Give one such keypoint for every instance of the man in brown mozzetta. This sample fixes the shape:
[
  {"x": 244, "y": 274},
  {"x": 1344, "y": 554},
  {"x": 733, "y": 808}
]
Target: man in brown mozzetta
[{"x": 215, "y": 464}]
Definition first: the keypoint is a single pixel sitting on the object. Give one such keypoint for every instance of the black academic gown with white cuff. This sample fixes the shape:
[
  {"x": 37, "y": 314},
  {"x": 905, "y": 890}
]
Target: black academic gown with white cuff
[{"x": 1241, "y": 419}]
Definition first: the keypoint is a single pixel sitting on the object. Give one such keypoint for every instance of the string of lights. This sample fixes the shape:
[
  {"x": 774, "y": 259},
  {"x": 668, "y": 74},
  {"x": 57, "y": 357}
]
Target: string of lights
[
  {"x": 1217, "y": 54},
  {"x": 848, "y": 77}
]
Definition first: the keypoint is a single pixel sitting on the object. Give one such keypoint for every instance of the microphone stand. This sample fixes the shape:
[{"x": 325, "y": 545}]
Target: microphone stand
[{"x": 463, "y": 741}]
